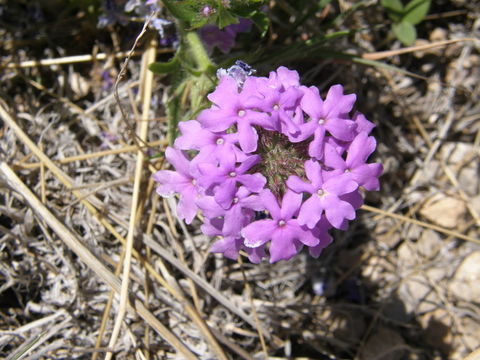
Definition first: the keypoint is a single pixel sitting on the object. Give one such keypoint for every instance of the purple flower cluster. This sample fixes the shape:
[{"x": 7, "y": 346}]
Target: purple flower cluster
[{"x": 271, "y": 165}]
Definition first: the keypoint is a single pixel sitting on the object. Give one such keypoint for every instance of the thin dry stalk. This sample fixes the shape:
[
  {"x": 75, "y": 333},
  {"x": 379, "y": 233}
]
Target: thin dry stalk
[
  {"x": 254, "y": 310},
  {"x": 74, "y": 59},
  {"x": 389, "y": 53},
  {"x": 93, "y": 155},
  {"x": 148, "y": 58}
]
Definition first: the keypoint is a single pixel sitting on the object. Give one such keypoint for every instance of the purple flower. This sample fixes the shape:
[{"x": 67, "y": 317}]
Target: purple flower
[
  {"x": 224, "y": 39},
  {"x": 329, "y": 115},
  {"x": 239, "y": 212},
  {"x": 225, "y": 177},
  {"x": 363, "y": 174},
  {"x": 207, "y": 11},
  {"x": 182, "y": 181},
  {"x": 286, "y": 234},
  {"x": 230, "y": 108},
  {"x": 211, "y": 146},
  {"x": 325, "y": 196},
  {"x": 270, "y": 165},
  {"x": 230, "y": 245}
]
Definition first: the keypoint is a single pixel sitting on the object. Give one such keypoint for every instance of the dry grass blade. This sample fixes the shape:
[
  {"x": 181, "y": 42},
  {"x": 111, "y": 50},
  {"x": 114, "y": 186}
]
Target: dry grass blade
[
  {"x": 389, "y": 53},
  {"x": 71, "y": 59},
  {"x": 248, "y": 290},
  {"x": 420, "y": 223},
  {"x": 24, "y": 349},
  {"x": 199, "y": 281},
  {"x": 93, "y": 155},
  {"x": 88, "y": 258}
]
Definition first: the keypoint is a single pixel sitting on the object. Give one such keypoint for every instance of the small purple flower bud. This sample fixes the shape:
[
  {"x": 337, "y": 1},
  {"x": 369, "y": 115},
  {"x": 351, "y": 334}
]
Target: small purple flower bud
[{"x": 207, "y": 11}]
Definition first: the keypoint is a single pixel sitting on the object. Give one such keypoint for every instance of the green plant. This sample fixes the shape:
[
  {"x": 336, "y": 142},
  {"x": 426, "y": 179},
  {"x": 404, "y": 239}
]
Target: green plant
[{"x": 405, "y": 17}]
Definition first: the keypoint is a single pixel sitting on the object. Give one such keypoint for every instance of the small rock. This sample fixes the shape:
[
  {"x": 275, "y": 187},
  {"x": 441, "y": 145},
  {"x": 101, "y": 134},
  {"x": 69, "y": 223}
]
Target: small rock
[
  {"x": 465, "y": 283},
  {"x": 461, "y": 158},
  {"x": 384, "y": 344},
  {"x": 444, "y": 211},
  {"x": 438, "y": 34},
  {"x": 429, "y": 243},
  {"x": 418, "y": 295},
  {"x": 384, "y": 234},
  {"x": 406, "y": 255}
]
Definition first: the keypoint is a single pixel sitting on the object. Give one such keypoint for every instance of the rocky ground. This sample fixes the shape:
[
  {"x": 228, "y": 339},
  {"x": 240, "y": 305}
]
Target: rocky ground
[{"x": 401, "y": 283}]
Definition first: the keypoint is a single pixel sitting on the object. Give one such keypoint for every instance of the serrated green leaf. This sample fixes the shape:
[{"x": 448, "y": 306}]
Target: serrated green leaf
[
  {"x": 405, "y": 32},
  {"x": 415, "y": 11},
  {"x": 394, "y": 9},
  {"x": 261, "y": 21}
]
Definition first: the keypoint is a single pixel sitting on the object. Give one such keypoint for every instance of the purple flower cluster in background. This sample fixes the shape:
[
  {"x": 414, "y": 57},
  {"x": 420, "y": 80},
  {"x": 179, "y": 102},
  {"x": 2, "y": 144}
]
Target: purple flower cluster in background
[
  {"x": 224, "y": 39},
  {"x": 271, "y": 165}
]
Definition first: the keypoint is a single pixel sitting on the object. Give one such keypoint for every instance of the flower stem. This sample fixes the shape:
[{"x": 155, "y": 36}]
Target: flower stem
[{"x": 198, "y": 51}]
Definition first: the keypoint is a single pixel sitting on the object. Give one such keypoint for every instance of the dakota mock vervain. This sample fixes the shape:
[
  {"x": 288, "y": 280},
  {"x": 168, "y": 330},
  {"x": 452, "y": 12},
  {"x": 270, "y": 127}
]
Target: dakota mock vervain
[{"x": 271, "y": 165}]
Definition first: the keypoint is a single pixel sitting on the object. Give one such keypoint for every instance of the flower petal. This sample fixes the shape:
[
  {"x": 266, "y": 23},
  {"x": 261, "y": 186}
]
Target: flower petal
[
  {"x": 284, "y": 245},
  {"x": 225, "y": 192},
  {"x": 296, "y": 184},
  {"x": 247, "y": 136},
  {"x": 187, "y": 207},
  {"x": 315, "y": 148},
  {"x": 193, "y": 136},
  {"x": 310, "y": 212},
  {"x": 340, "y": 128},
  {"x": 291, "y": 203},
  {"x": 341, "y": 184},
  {"x": 258, "y": 232},
  {"x": 338, "y": 104},
  {"x": 337, "y": 210}
]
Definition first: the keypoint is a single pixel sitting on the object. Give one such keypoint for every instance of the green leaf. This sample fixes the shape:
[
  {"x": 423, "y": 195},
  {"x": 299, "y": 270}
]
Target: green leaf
[
  {"x": 393, "y": 5},
  {"x": 405, "y": 32},
  {"x": 394, "y": 9},
  {"x": 165, "y": 67},
  {"x": 186, "y": 10},
  {"x": 261, "y": 21},
  {"x": 415, "y": 11},
  {"x": 225, "y": 18}
]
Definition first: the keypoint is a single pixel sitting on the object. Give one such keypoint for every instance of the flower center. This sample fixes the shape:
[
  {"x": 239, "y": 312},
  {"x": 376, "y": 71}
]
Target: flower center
[
  {"x": 321, "y": 121},
  {"x": 194, "y": 182},
  {"x": 280, "y": 159},
  {"x": 232, "y": 174},
  {"x": 276, "y": 107},
  {"x": 347, "y": 170},
  {"x": 241, "y": 113},
  {"x": 220, "y": 141},
  {"x": 321, "y": 192},
  {"x": 235, "y": 200},
  {"x": 281, "y": 223}
]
